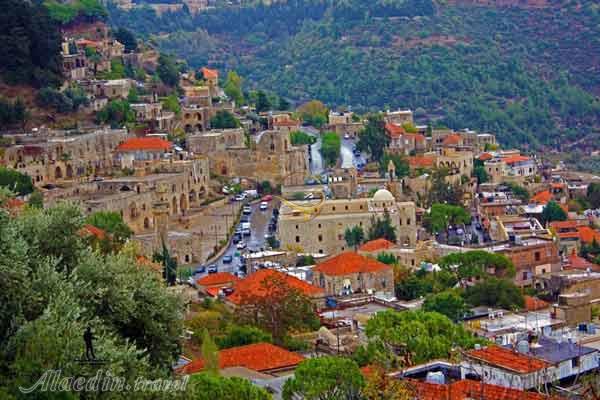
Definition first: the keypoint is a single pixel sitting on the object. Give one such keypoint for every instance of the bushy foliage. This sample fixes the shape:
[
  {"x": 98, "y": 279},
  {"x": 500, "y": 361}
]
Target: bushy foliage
[
  {"x": 116, "y": 113},
  {"x": 299, "y": 138},
  {"x": 12, "y": 112},
  {"x": 440, "y": 216},
  {"x": 224, "y": 119},
  {"x": 330, "y": 148},
  {"x": 63, "y": 102},
  {"x": 495, "y": 292},
  {"x": 17, "y": 182}
]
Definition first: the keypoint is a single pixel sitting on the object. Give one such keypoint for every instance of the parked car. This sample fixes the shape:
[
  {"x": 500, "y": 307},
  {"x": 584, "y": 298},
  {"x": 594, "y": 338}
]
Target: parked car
[
  {"x": 247, "y": 210},
  {"x": 246, "y": 232},
  {"x": 226, "y": 190},
  {"x": 309, "y": 196},
  {"x": 276, "y": 211},
  {"x": 264, "y": 205},
  {"x": 200, "y": 270},
  {"x": 244, "y": 218},
  {"x": 346, "y": 136},
  {"x": 213, "y": 269},
  {"x": 240, "y": 197},
  {"x": 237, "y": 238},
  {"x": 227, "y": 259},
  {"x": 241, "y": 245},
  {"x": 267, "y": 198}
]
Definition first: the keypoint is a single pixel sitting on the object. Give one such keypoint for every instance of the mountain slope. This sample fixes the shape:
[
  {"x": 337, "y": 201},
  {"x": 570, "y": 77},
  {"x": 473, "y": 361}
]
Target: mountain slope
[{"x": 528, "y": 74}]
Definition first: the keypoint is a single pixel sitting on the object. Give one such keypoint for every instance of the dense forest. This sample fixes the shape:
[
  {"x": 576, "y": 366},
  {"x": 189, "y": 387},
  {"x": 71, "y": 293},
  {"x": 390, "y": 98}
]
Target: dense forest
[{"x": 531, "y": 75}]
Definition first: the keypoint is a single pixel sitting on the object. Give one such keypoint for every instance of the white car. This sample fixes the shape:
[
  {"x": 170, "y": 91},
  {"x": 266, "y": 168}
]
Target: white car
[
  {"x": 240, "y": 197},
  {"x": 346, "y": 136},
  {"x": 247, "y": 210},
  {"x": 241, "y": 246},
  {"x": 264, "y": 205}
]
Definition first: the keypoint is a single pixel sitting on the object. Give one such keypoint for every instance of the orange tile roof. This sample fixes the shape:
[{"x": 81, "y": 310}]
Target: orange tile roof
[
  {"x": 535, "y": 304},
  {"x": 394, "y": 130},
  {"x": 14, "y": 203},
  {"x": 253, "y": 285},
  {"x": 219, "y": 278},
  {"x": 209, "y": 73},
  {"x": 485, "y": 157},
  {"x": 416, "y": 136},
  {"x": 452, "y": 140},
  {"x": 145, "y": 144},
  {"x": 515, "y": 159},
  {"x": 212, "y": 291},
  {"x": 508, "y": 359},
  {"x": 421, "y": 161},
  {"x": 350, "y": 263},
  {"x": 88, "y": 43},
  {"x": 261, "y": 357},
  {"x": 469, "y": 389},
  {"x": 377, "y": 244},
  {"x": 542, "y": 197},
  {"x": 580, "y": 263},
  {"x": 587, "y": 234},
  {"x": 568, "y": 235},
  {"x": 94, "y": 231},
  {"x": 568, "y": 224}
]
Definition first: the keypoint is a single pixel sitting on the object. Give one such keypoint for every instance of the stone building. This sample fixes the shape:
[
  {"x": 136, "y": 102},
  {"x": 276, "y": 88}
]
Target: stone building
[
  {"x": 210, "y": 142},
  {"x": 139, "y": 150},
  {"x": 403, "y": 142},
  {"x": 195, "y": 118},
  {"x": 343, "y": 123},
  {"x": 350, "y": 273},
  {"x": 323, "y": 231},
  {"x": 153, "y": 115},
  {"x": 399, "y": 117}
]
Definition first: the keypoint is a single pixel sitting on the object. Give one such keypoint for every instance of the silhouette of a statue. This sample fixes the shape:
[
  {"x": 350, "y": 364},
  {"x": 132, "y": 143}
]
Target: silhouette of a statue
[{"x": 88, "y": 338}]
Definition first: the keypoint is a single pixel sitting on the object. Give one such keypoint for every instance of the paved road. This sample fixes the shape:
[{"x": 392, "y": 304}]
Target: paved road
[
  {"x": 316, "y": 162},
  {"x": 347, "y": 154},
  {"x": 259, "y": 227}
]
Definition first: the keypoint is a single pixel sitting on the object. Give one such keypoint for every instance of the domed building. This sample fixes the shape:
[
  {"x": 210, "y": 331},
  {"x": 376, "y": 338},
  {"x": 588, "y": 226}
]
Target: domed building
[{"x": 322, "y": 232}]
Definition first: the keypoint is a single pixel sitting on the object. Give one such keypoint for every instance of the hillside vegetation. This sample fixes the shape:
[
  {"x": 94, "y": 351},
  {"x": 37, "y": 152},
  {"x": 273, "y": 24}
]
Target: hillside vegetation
[{"x": 529, "y": 74}]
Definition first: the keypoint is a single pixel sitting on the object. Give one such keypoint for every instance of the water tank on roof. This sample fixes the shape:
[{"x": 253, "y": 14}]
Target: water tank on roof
[
  {"x": 523, "y": 347},
  {"x": 436, "y": 377}
]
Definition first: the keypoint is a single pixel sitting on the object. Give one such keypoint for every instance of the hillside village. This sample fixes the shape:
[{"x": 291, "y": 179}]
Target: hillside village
[{"x": 434, "y": 262}]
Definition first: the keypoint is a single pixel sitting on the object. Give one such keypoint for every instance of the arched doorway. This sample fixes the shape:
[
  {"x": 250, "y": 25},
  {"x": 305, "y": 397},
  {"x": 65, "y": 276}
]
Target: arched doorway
[
  {"x": 174, "y": 205},
  {"x": 69, "y": 171},
  {"x": 58, "y": 173},
  {"x": 193, "y": 196},
  {"x": 182, "y": 202},
  {"x": 146, "y": 223},
  {"x": 133, "y": 212}
]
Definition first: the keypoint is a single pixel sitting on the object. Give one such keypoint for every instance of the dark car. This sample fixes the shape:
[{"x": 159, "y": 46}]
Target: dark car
[
  {"x": 245, "y": 218},
  {"x": 276, "y": 211},
  {"x": 200, "y": 270},
  {"x": 237, "y": 238},
  {"x": 227, "y": 259},
  {"x": 213, "y": 269}
]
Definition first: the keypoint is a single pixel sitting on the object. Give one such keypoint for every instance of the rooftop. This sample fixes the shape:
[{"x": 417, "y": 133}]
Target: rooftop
[
  {"x": 209, "y": 73},
  {"x": 217, "y": 279},
  {"x": 508, "y": 359},
  {"x": 350, "y": 263},
  {"x": 516, "y": 159},
  {"x": 261, "y": 357},
  {"x": 145, "y": 144},
  {"x": 555, "y": 352},
  {"x": 377, "y": 244},
  {"x": 469, "y": 389}
]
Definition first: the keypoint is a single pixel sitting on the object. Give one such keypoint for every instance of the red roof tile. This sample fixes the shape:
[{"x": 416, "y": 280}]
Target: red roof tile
[
  {"x": 568, "y": 224},
  {"x": 418, "y": 137},
  {"x": 587, "y": 234},
  {"x": 212, "y": 291},
  {"x": 508, "y": 359},
  {"x": 580, "y": 263},
  {"x": 209, "y": 73},
  {"x": 253, "y": 285},
  {"x": 421, "y": 161},
  {"x": 394, "y": 130},
  {"x": 261, "y": 357},
  {"x": 535, "y": 304},
  {"x": 350, "y": 263},
  {"x": 469, "y": 389},
  {"x": 485, "y": 157},
  {"x": 542, "y": 197},
  {"x": 377, "y": 244},
  {"x": 219, "y": 278},
  {"x": 515, "y": 159},
  {"x": 94, "y": 231},
  {"x": 145, "y": 144},
  {"x": 452, "y": 140}
]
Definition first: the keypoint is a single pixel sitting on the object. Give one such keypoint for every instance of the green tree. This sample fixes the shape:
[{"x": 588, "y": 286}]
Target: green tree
[
  {"x": 126, "y": 38},
  {"x": 240, "y": 335},
  {"x": 495, "y": 292},
  {"x": 478, "y": 263},
  {"x": 518, "y": 191},
  {"x": 354, "y": 236},
  {"x": 36, "y": 200},
  {"x": 169, "y": 265},
  {"x": 171, "y": 103},
  {"x": 382, "y": 228},
  {"x": 132, "y": 96},
  {"x": 262, "y": 102},
  {"x": 443, "y": 192},
  {"x": 372, "y": 138},
  {"x": 314, "y": 113},
  {"x": 387, "y": 258},
  {"x": 116, "y": 113},
  {"x": 325, "y": 378},
  {"x": 167, "y": 70},
  {"x": 593, "y": 194},
  {"x": 233, "y": 88},
  {"x": 330, "y": 148},
  {"x": 210, "y": 354},
  {"x": 299, "y": 138},
  {"x": 204, "y": 386},
  {"x": 112, "y": 223},
  {"x": 480, "y": 173},
  {"x": 400, "y": 163},
  {"x": 448, "y": 303},
  {"x": 224, "y": 119},
  {"x": 553, "y": 212},
  {"x": 16, "y": 181},
  {"x": 440, "y": 216}
]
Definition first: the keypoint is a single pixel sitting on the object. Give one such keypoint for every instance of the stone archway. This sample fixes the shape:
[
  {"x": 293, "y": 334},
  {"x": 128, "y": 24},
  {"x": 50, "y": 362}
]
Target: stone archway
[
  {"x": 133, "y": 211},
  {"x": 146, "y": 223},
  {"x": 193, "y": 196},
  {"x": 183, "y": 202},
  {"x": 58, "y": 173},
  {"x": 69, "y": 171},
  {"x": 174, "y": 205}
]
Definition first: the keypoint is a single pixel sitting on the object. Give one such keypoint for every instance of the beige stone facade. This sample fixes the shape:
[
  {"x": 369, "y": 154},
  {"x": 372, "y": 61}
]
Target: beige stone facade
[
  {"x": 213, "y": 141},
  {"x": 324, "y": 232}
]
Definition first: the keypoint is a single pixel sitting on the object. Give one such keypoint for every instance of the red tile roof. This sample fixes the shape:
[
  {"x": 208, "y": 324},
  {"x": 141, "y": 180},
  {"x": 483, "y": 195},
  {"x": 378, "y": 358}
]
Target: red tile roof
[
  {"x": 421, "y": 161},
  {"x": 515, "y": 159},
  {"x": 209, "y": 73},
  {"x": 587, "y": 234},
  {"x": 394, "y": 130},
  {"x": 416, "y": 136},
  {"x": 14, "y": 203},
  {"x": 542, "y": 197},
  {"x": 469, "y": 389},
  {"x": 508, "y": 359},
  {"x": 261, "y": 357},
  {"x": 254, "y": 286},
  {"x": 145, "y": 144},
  {"x": 350, "y": 263},
  {"x": 535, "y": 304},
  {"x": 452, "y": 140},
  {"x": 219, "y": 278},
  {"x": 485, "y": 157},
  {"x": 212, "y": 291},
  {"x": 580, "y": 263},
  {"x": 93, "y": 231},
  {"x": 568, "y": 224},
  {"x": 377, "y": 244}
]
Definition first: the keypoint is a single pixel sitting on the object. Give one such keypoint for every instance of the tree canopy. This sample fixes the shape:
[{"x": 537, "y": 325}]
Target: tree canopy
[
  {"x": 224, "y": 119},
  {"x": 17, "y": 182},
  {"x": 553, "y": 212},
  {"x": 373, "y": 139},
  {"x": 330, "y": 148},
  {"x": 440, "y": 216},
  {"x": 314, "y": 113}
]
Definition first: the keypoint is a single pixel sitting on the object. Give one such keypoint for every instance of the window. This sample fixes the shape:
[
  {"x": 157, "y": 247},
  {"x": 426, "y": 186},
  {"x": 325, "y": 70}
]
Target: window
[
  {"x": 296, "y": 226},
  {"x": 297, "y": 239},
  {"x": 320, "y": 251},
  {"x": 319, "y": 226},
  {"x": 525, "y": 275},
  {"x": 320, "y": 238},
  {"x": 346, "y": 208},
  {"x": 361, "y": 206},
  {"x": 538, "y": 256},
  {"x": 575, "y": 362},
  {"x": 333, "y": 208},
  {"x": 408, "y": 221}
]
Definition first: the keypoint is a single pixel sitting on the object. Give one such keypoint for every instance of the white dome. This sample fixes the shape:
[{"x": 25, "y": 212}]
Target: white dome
[{"x": 383, "y": 195}]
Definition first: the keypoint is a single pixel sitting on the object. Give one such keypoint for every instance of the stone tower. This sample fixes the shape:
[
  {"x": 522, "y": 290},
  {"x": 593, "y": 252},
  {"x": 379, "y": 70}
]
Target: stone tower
[{"x": 160, "y": 210}]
